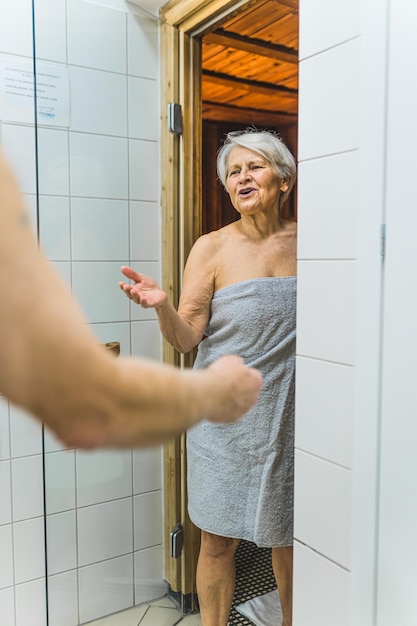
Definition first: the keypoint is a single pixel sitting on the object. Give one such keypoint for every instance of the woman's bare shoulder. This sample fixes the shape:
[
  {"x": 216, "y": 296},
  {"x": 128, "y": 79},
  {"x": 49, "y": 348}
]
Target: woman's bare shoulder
[{"x": 209, "y": 244}]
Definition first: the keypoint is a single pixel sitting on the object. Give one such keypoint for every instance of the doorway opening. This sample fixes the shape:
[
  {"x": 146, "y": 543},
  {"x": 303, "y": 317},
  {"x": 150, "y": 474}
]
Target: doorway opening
[{"x": 230, "y": 65}]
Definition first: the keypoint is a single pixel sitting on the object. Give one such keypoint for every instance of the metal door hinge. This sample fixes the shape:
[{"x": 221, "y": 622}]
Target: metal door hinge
[
  {"x": 383, "y": 240},
  {"x": 174, "y": 118},
  {"x": 176, "y": 541}
]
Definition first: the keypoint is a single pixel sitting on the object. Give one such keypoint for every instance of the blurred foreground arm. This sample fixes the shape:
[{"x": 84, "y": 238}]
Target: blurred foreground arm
[{"x": 52, "y": 365}]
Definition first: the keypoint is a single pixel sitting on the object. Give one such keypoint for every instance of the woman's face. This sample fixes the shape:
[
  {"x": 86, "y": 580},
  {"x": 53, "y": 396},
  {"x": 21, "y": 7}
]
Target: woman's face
[{"x": 253, "y": 184}]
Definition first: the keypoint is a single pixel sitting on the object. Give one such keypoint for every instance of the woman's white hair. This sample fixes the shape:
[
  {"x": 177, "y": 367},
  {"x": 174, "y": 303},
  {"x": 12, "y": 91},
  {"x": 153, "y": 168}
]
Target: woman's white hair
[{"x": 267, "y": 144}]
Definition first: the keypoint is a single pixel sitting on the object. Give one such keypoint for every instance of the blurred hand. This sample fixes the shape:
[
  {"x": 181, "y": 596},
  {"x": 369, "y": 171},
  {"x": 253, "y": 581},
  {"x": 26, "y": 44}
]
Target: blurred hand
[{"x": 235, "y": 391}]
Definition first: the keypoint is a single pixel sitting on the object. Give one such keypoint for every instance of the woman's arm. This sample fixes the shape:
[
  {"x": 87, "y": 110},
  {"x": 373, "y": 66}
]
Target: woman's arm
[
  {"x": 52, "y": 365},
  {"x": 183, "y": 329}
]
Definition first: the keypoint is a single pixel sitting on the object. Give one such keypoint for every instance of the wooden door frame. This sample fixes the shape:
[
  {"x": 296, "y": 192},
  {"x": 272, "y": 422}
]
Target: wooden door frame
[{"x": 184, "y": 22}]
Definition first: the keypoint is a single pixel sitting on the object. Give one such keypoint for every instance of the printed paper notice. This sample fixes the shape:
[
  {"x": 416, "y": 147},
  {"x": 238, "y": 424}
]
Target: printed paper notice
[{"x": 17, "y": 88}]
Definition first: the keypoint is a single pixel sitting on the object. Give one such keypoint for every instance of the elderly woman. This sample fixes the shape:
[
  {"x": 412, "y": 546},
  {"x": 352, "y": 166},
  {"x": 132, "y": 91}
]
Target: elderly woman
[{"x": 239, "y": 297}]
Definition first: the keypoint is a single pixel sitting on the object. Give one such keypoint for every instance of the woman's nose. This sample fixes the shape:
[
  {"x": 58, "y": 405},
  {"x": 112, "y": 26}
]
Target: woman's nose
[{"x": 244, "y": 173}]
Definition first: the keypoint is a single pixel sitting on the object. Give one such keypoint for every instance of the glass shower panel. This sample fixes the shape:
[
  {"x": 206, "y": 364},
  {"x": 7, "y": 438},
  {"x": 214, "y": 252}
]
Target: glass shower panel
[{"x": 103, "y": 509}]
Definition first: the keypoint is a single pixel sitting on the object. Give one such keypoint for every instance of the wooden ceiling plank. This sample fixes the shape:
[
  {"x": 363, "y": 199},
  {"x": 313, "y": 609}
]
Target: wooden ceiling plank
[
  {"x": 292, "y": 4},
  {"x": 247, "y": 85},
  {"x": 252, "y": 45},
  {"x": 224, "y": 112}
]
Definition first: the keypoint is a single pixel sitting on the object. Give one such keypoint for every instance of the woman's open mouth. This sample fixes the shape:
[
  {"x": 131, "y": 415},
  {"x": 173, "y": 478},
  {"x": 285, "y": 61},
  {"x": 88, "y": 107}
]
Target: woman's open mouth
[{"x": 246, "y": 192}]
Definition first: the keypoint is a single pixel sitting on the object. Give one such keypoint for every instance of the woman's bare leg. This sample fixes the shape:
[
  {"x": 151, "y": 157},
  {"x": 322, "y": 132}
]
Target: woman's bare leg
[
  {"x": 282, "y": 564},
  {"x": 216, "y": 578}
]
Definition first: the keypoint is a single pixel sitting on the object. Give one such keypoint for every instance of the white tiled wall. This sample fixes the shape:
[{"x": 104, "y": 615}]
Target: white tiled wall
[
  {"x": 99, "y": 208},
  {"x": 329, "y": 132}
]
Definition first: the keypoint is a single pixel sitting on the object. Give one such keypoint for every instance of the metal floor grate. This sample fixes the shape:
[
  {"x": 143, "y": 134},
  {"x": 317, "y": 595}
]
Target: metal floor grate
[{"x": 254, "y": 577}]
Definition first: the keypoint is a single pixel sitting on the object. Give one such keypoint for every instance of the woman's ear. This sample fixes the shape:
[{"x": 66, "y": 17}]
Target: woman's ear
[{"x": 284, "y": 186}]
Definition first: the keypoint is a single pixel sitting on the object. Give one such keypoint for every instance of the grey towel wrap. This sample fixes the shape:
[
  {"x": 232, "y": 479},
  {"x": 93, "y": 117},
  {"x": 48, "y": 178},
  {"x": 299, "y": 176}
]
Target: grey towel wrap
[{"x": 241, "y": 475}]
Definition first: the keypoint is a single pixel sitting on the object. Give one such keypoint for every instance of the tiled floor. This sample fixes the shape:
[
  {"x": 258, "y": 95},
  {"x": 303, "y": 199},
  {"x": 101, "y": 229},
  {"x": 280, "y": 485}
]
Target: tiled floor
[{"x": 162, "y": 612}]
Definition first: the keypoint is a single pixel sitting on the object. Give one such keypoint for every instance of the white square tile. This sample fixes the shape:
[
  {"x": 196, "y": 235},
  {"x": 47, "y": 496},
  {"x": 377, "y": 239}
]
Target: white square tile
[
  {"x": 98, "y": 102},
  {"x": 54, "y": 219},
  {"x": 165, "y": 602},
  {"x": 104, "y": 303},
  {"x": 60, "y": 481},
  {"x": 6, "y": 563},
  {"x": 16, "y": 27},
  {"x": 31, "y": 204},
  {"x": 143, "y": 46},
  {"x": 322, "y": 507},
  {"x": 163, "y": 616},
  {"x": 104, "y": 531},
  {"x": 64, "y": 269},
  {"x": 7, "y": 615},
  {"x": 329, "y": 103},
  {"x": 114, "y": 332},
  {"x": 5, "y": 493},
  {"x": 148, "y": 520},
  {"x": 147, "y": 469},
  {"x": 328, "y": 197},
  {"x": 144, "y": 170},
  {"x": 324, "y": 404},
  {"x": 149, "y": 583},
  {"x": 4, "y": 429},
  {"x": 63, "y": 599},
  {"x": 130, "y": 617},
  {"x": 105, "y": 588},
  {"x": 14, "y": 69},
  {"x": 152, "y": 269},
  {"x": 31, "y": 603},
  {"x": 25, "y": 433},
  {"x": 192, "y": 620},
  {"x": 29, "y": 550},
  {"x": 100, "y": 229},
  {"x": 53, "y": 154},
  {"x": 99, "y": 166},
  {"x": 312, "y": 574},
  {"x": 145, "y": 231},
  {"x": 19, "y": 148},
  {"x": 52, "y": 443},
  {"x": 90, "y": 29},
  {"x": 146, "y": 340},
  {"x": 51, "y": 30},
  {"x": 326, "y": 310},
  {"x": 325, "y": 23},
  {"x": 103, "y": 475},
  {"x": 27, "y": 487},
  {"x": 61, "y": 542},
  {"x": 144, "y": 109}
]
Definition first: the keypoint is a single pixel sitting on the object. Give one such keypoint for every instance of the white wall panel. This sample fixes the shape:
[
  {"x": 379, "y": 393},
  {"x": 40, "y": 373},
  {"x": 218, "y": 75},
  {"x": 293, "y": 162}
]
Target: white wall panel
[
  {"x": 328, "y": 102},
  {"x": 324, "y": 405},
  {"x": 322, "y": 509},
  {"x": 326, "y": 23},
  {"x": 321, "y": 590},
  {"x": 397, "y": 546},
  {"x": 326, "y": 310},
  {"x": 328, "y": 196}
]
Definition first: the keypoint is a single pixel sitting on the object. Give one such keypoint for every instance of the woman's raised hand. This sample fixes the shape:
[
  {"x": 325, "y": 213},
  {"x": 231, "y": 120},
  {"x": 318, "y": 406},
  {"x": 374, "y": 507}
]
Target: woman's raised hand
[{"x": 145, "y": 290}]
